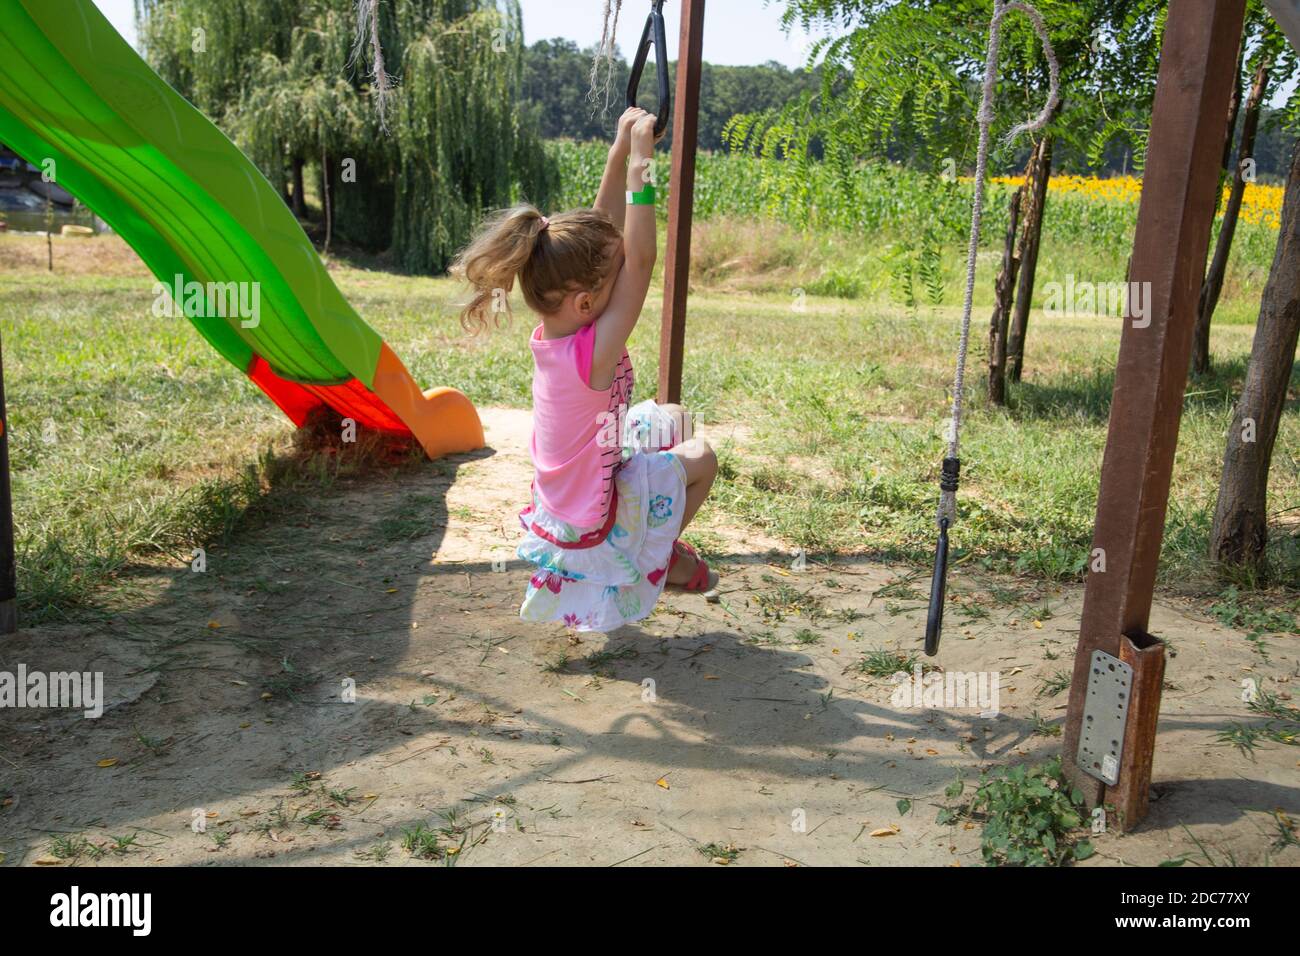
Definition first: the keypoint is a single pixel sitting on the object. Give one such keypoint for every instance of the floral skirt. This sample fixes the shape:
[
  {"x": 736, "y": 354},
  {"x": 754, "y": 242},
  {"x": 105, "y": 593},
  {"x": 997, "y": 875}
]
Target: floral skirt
[{"x": 618, "y": 580}]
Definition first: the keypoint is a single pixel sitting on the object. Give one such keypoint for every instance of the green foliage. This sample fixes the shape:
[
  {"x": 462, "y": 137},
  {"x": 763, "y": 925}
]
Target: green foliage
[
  {"x": 1232, "y": 610},
  {"x": 279, "y": 78},
  {"x": 882, "y": 662},
  {"x": 902, "y": 80},
  {"x": 1281, "y": 724},
  {"x": 1030, "y": 816},
  {"x": 556, "y": 85},
  {"x": 422, "y": 843}
]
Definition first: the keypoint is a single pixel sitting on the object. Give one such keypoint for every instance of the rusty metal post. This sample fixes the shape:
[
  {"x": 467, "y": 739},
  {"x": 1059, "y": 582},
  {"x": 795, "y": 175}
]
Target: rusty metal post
[
  {"x": 1197, "y": 59},
  {"x": 681, "y": 200}
]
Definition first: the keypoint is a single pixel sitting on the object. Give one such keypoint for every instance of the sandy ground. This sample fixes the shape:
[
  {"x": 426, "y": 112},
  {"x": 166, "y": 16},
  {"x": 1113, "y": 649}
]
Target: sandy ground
[{"x": 744, "y": 724}]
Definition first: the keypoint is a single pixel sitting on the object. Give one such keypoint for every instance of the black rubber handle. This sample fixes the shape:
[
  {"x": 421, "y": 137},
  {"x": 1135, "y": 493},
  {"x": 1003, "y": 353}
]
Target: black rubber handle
[
  {"x": 655, "y": 36},
  {"x": 938, "y": 588}
]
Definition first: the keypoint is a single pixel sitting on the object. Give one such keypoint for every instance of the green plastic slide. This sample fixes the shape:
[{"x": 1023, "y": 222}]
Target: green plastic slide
[{"x": 79, "y": 103}]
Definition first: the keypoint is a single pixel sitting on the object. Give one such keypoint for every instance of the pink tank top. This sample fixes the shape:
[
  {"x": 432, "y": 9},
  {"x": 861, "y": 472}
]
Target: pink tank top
[{"x": 577, "y": 430}]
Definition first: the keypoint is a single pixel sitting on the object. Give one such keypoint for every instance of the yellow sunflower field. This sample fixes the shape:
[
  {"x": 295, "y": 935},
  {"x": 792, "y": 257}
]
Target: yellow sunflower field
[{"x": 1261, "y": 204}]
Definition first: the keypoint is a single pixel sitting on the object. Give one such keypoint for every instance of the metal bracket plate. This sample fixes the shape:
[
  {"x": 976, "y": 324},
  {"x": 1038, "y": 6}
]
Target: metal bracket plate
[{"x": 1105, "y": 713}]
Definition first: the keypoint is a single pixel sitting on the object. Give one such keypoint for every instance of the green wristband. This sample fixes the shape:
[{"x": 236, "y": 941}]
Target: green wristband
[{"x": 645, "y": 197}]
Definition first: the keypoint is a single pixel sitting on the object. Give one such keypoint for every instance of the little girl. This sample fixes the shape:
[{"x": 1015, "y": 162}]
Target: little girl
[{"x": 613, "y": 487}]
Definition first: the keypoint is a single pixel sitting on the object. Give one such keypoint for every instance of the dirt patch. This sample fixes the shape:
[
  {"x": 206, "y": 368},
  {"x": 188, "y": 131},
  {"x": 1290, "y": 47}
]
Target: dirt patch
[
  {"x": 475, "y": 738},
  {"x": 105, "y": 255}
]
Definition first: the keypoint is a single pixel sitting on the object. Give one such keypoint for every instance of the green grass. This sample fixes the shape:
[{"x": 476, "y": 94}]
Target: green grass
[
  {"x": 132, "y": 442},
  {"x": 880, "y": 662}
]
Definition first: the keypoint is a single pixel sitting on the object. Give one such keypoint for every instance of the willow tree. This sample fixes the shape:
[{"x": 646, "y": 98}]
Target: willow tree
[
  {"x": 289, "y": 82},
  {"x": 462, "y": 141},
  {"x": 302, "y": 107}
]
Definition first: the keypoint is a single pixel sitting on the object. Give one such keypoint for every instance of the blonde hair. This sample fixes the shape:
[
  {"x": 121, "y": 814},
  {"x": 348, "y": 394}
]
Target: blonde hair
[{"x": 569, "y": 252}]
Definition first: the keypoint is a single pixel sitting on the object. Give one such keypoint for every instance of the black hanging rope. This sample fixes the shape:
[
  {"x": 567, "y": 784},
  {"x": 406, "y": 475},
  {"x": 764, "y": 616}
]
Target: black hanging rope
[{"x": 948, "y": 482}]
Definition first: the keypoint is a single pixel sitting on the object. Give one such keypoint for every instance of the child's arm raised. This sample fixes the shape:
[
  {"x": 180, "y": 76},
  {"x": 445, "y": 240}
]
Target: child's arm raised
[
  {"x": 639, "y": 250},
  {"x": 610, "y": 198}
]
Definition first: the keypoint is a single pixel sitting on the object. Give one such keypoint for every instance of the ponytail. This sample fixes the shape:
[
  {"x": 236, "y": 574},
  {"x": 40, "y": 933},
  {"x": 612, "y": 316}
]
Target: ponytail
[
  {"x": 491, "y": 262},
  {"x": 551, "y": 258}
]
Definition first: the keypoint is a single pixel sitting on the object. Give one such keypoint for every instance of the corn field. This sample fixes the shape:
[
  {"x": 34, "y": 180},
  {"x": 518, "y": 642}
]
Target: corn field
[{"x": 916, "y": 225}]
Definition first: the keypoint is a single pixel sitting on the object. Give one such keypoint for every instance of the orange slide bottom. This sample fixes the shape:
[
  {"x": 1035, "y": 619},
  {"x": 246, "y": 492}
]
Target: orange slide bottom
[{"x": 442, "y": 420}]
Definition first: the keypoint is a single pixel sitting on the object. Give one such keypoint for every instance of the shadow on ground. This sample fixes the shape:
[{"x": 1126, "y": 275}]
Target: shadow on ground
[{"x": 475, "y": 738}]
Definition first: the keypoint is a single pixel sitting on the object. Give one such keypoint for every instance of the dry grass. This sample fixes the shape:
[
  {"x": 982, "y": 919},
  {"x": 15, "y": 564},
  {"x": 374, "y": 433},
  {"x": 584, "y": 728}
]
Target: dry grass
[{"x": 101, "y": 255}]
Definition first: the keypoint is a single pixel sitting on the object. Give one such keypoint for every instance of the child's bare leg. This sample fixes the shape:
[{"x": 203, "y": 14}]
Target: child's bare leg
[{"x": 701, "y": 465}]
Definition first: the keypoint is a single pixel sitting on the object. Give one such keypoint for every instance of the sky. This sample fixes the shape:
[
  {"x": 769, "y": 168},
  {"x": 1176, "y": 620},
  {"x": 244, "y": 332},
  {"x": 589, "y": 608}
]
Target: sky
[{"x": 736, "y": 32}]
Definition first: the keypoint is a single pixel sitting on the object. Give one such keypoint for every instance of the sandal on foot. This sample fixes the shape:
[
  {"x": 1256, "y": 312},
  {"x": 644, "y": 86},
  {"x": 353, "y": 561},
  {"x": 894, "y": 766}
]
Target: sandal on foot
[{"x": 703, "y": 580}]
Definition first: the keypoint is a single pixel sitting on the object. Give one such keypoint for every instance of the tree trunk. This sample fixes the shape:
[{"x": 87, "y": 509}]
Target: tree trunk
[
  {"x": 49, "y": 231},
  {"x": 299, "y": 194},
  {"x": 325, "y": 178},
  {"x": 1234, "y": 107},
  {"x": 1213, "y": 284},
  {"x": 1240, "y": 530},
  {"x": 1002, "y": 290},
  {"x": 1041, "y": 172}
]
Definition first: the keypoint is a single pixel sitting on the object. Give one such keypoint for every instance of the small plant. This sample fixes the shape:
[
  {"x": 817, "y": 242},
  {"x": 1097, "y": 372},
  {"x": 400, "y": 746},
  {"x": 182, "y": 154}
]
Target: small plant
[
  {"x": 1267, "y": 703},
  {"x": 275, "y": 820},
  {"x": 972, "y": 611},
  {"x": 837, "y": 283},
  {"x": 1044, "y": 727},
  {"x": 1054, "y": 684},
  {"x": 1030, "y": 816},
  {"x": 1286, "y": 831},
  {"x": 719, "y": 853},
  {"x": 1244, "y": 737},
  {"x": 600, "y": 661},
  {"x": 1231, "y": 611},
  {"x": 1282, "y": 725},
  {"x": 122, "y": 845},
  {"x": 1229, "y": 858},
  {"x": 342, "y": 798},
  {"x": 290, "y": 682},
  {"x": 885, "y": 663},
  {"x": 807, "y": 636},
  {"x": 155, "y": 745},
  {"x": 785, "y": 600},
  {"x": 422, "y": 843},
  {"x": 901, "y": 589},
  {"x": 303, "y": 780},
  {"x": 72, "y": 847}
]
